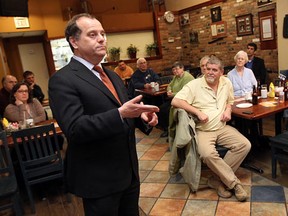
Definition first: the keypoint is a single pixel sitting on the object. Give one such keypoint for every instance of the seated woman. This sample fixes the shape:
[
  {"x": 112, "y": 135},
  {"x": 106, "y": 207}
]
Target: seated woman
[
  {"x": 242, "y": 78},
  {"x": 23, "y": 106},
  {"x": 180, "y": 78}
]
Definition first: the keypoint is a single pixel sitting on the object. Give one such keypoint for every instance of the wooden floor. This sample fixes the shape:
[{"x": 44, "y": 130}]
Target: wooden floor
[{"x": 54, "y": 202}]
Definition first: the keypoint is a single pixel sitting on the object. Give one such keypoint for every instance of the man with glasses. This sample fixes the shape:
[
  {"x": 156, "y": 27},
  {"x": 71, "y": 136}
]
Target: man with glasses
[
  {"x": 210, "y": 99},
  {"x": 8, "y": 82}
]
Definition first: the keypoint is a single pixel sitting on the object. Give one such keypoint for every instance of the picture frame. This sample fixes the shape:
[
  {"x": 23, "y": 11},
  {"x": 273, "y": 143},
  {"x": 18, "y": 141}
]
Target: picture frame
[
  {"x": 244, "y": 25},
  {"x": 219, "y": 29},
  {"x": 184, "y": 19},
  {"x": 21, "y": 22},
  {"x": 261, "y": 3},
  {"x": 216, "y": 14},
  {"x": 267, "y": 28},
  {"x": 193, "y": 37}
]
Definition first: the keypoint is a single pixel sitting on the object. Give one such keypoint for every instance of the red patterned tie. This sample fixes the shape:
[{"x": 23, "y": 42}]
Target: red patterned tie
[{"x": 107, "y": 81}]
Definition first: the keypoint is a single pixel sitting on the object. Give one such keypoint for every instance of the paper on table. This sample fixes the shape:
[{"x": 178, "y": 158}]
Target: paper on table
[{"x": 268, "y": 104}]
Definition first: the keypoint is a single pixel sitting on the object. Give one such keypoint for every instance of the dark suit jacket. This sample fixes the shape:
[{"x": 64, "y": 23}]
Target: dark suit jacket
[
  {"x": 259, "y": 69},
  {"x": 101, "y": 156},
  {"x": 37, "y": 93}
]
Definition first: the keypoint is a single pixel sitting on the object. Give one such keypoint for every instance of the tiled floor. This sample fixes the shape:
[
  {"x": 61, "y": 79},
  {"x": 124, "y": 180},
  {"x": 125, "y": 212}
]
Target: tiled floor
[{"x": 162, "y": 195}]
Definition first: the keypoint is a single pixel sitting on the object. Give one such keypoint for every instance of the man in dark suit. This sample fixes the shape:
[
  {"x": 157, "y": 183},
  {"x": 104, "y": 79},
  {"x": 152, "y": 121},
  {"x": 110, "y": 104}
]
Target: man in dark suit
[
  {"x": 256, "y": 64},
  {"x": 101, "y": 160}
]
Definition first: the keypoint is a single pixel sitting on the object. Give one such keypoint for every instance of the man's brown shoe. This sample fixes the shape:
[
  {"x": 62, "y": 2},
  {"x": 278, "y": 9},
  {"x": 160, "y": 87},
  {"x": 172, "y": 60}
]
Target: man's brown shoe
[
  {"x": 240, "y": 193},
  {"x": 219, "y": 187}
]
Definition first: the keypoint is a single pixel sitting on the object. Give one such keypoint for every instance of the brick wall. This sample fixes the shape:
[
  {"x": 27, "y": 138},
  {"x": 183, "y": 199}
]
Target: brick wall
[{"x": 200, "y": 21}]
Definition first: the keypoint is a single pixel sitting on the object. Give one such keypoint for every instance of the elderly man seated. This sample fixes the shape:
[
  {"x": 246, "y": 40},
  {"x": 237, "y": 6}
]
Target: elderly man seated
[{"x": 209, "y": 98}]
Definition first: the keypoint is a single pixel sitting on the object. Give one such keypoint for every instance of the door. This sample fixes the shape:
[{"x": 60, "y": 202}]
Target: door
[{"x": 33, "y": 59}]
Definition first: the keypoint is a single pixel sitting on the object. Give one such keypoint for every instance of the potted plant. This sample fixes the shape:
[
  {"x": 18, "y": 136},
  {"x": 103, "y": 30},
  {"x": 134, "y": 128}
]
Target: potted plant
[
  {"x": 132, "y": 51},
  {"x": 151, "y": 49},
  {"x": 114, "y": 53}
]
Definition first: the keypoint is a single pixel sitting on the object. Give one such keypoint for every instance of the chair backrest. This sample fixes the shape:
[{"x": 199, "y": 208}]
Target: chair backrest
[
  {"x": 6, "y": 165},
  {"x": 166, "y": 79},
  {"x": 8, "y": 183},
  {"x": 38, "y": 151}
]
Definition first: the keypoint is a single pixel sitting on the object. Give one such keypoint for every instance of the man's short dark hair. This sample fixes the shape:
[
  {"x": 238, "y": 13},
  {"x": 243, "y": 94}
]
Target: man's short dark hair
[
  {"x": 72, "y": 30},
  {"x": 253, "y": 45},
  {"x": 27, "y": 73}
]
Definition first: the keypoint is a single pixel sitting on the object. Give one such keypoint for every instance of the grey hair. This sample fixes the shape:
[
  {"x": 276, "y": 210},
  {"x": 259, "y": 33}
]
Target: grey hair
[
  {"x": 241, "y": 53},
  {"x": 216, "y": 61}
]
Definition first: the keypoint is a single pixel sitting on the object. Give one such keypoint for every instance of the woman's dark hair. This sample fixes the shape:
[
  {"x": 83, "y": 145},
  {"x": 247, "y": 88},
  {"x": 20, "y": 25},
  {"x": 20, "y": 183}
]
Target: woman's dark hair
[
  {"x": 15, "y": 89},
  {"x": 178, "y": 64}
]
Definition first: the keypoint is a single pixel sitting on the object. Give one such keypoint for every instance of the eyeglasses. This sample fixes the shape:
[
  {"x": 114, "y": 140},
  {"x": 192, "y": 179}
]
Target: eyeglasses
[{"x": 23, "y": 91}]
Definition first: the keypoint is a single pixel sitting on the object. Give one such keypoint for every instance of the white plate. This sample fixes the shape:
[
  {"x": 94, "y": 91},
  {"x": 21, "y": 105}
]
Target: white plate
[{"x": 244, "y": 105}]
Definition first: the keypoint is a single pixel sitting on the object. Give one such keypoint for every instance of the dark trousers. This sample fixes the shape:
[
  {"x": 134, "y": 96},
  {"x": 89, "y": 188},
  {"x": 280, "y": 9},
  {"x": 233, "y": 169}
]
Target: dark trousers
[
  {"x": 163, "y": 115},
  {"x": 124, "y": 203}
]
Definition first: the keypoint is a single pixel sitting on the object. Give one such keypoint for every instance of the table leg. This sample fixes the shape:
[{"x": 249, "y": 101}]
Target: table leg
[
  {"x": 251, "y": 131},
  {"x": 278, "y": 123}
]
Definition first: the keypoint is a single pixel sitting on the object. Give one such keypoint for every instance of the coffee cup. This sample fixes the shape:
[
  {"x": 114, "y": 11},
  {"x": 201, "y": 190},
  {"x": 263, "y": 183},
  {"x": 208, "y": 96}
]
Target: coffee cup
[
  {"x": 29, "y": 122},
  {"x": 248, "y": 96}
]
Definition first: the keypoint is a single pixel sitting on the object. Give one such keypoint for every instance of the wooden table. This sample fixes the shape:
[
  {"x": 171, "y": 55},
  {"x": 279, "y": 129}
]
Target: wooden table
[
  {"x": 152, "y": 92},
  {"x": 150, "y": 96},
  {"x": 264, "y": 108},
  {"x": 57, "y": 128}
]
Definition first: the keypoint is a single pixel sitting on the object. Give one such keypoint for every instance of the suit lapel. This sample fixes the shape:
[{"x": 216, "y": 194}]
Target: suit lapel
[{"x": 84, "y": 73}]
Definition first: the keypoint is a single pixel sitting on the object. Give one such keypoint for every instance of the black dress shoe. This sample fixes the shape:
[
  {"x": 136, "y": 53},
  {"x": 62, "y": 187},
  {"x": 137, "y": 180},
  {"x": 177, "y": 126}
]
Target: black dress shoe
[{"x": 164, "y": 134}]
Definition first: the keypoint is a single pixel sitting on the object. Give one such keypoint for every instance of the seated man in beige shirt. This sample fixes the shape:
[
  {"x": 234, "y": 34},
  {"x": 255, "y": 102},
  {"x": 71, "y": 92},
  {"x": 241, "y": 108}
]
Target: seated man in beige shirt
[{"x": 209, "y": 98}]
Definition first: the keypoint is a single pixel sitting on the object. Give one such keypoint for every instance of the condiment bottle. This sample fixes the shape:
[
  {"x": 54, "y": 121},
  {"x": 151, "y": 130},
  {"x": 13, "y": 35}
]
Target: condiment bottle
[
  {"x": 258, "y": 87},
  {"x": 286, "y": 91},
  {"x": 271, "y": 90},
  {"x": 254, "y": 96}
]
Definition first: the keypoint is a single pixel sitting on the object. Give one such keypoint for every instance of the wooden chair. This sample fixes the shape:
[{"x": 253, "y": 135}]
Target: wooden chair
[
  {"x": 9, "y": 193},
  {"x": 166, "y": 79},
  {"x": 279, "y": 150},
  {"x": 39, "y": 156}
]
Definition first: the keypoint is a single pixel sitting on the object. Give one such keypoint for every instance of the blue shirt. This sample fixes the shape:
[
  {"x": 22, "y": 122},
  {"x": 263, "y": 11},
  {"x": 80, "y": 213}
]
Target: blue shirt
[
  {"x": 249, "y": 64},
  {"x": 242, "y": 84}
]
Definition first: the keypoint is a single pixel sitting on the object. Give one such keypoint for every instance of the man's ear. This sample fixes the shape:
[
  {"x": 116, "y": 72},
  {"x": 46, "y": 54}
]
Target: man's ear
[{"x": 73, "y": 42}]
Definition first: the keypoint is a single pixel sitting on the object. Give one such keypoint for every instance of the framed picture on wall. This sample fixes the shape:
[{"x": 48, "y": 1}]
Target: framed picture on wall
[
  {"x": 184, "y": 19},
  {"x": 244, "y": 25},
  {"x": 193, "y": 37},
  {"x": 263, "y": 2},
  {"x": 216, "y": 14},
  {"x": 267, "y": 28},
  {"x": 219, "y": 29}
]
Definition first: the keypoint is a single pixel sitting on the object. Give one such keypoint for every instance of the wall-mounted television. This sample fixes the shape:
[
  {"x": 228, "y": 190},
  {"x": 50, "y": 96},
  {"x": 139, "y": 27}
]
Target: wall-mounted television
[{"x": 14, "y": 8}]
